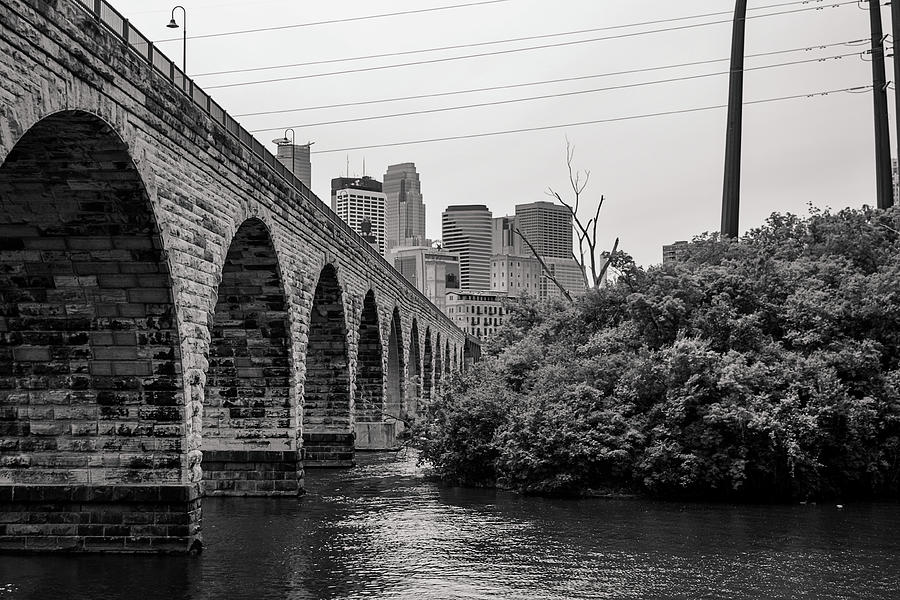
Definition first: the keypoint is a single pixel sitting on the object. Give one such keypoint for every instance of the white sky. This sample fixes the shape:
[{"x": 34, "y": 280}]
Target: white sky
[{"x": 662, "y": 176}]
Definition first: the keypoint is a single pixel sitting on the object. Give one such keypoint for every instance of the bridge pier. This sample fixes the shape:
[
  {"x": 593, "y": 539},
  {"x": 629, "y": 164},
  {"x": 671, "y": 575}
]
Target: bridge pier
[{"x": 104, "y": 518}]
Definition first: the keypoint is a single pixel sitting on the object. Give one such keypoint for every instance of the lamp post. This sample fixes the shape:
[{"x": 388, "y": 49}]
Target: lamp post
[
  {"x": 284, "y": 140},
  {"x": 174, "y": 25}
]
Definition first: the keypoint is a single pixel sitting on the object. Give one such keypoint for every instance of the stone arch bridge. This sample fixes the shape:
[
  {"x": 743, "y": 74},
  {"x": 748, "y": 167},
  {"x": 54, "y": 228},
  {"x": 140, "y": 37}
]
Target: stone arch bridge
[{"x": 178, "y": 314}]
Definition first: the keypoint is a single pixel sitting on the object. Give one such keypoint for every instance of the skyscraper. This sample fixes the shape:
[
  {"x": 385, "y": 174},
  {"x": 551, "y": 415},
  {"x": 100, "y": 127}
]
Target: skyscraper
[
  {"x": 466, "y": 230},
  {"x": 360, "y": 204},
  {"x": 296, "y": 159},
  {"x": 404, "y": 211},
  {"x": 548, "y": 227}
]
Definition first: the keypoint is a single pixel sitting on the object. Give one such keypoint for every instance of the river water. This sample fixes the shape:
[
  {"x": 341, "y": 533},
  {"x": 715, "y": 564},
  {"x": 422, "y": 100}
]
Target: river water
[{"x": 381, "y": 530}]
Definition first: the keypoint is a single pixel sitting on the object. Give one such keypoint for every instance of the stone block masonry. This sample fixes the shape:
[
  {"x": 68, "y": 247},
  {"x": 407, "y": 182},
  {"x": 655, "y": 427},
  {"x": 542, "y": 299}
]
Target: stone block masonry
[
  {"x": 114, "y": 519},
  {"x": 175, "y": 316}
]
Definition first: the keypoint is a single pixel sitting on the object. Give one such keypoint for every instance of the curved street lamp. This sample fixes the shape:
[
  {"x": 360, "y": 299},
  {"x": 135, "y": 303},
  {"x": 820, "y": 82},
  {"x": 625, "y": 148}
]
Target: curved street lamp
[{"x": 173, "y": 24}]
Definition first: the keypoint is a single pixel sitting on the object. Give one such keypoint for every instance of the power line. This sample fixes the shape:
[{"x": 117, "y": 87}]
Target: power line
[
  {"x": 544, "y": 82},
  {"x": 333, "y": 21},
  {"x": 490, "y": 43},
  {"x": 514, "y": 50},
  {"x": 550, "y": 96},
  {"x": 594, "y": 122}
]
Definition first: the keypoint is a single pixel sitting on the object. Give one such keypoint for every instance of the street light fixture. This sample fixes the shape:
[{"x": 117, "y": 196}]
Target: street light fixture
[
  {"x": 284, "y": 140},
  {"x": 174, "y": 25}
]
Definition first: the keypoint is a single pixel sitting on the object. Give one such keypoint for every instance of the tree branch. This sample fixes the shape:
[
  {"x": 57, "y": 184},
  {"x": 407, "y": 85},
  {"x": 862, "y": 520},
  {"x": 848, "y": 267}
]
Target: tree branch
[
  {"x": 544, "y": 266},
  {"x": 606, "y": 265}
]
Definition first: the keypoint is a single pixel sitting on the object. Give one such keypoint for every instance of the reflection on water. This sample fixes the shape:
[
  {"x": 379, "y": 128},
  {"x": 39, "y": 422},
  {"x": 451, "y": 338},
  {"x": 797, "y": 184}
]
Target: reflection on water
[{"x": 381, "y": 531}]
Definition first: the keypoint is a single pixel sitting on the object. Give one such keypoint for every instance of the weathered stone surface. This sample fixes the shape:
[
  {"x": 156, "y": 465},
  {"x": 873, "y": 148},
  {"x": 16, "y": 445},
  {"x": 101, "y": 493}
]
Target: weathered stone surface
[
  {"x": 114, "y": 518},
  {"x": 165, "y": 294}
]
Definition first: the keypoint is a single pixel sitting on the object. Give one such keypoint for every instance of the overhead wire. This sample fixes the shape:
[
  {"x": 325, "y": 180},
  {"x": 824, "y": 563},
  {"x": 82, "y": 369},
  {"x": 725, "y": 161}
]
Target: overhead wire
[
  {"x": 593, "y": 122},
  {"x": 492, "y": 42},
  {"x": 544, "y": 82},
  {"x": 332, "y": 21},
  {"x": 551, "y": 96},
  {"x": 514, "y": 50}
]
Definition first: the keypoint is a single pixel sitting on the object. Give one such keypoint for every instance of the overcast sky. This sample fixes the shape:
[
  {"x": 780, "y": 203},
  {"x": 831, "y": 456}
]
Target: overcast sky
[{"x": 662, "y": 176}]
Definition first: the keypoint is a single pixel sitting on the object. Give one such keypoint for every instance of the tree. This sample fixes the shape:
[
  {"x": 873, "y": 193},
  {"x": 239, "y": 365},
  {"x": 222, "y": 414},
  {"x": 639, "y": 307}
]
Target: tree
[{"x": 585, "y": 231}]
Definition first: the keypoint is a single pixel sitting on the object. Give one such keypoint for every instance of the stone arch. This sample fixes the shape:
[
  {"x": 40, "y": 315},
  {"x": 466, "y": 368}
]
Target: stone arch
[
  {"x": 90, "y": 350},
  {"x": 249, "y": 403},
  {"x": 468, "y": 356},
  {"x": 393, "y": 404},
  {"x": 369, "y": 398},
  {"x": 438, "y": 363},
  {"x": 327, "y": 433},
  {"x": 414, "y": 388},
  {"x": 447, "y": 361},
  {"x": 428, "y": 367}
]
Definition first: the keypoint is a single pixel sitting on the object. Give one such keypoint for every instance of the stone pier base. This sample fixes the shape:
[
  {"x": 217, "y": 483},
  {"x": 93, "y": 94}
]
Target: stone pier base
[
  {"x": 251, "y": 473},
  {"x": 328, "y": 450},
  {"x": 376, "y": 436},
  {"x": 114, "y": 518}
]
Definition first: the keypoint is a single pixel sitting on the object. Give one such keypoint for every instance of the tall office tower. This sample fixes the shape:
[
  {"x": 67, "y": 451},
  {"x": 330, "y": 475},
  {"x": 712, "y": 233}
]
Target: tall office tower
[
  {"x": 352, "y": 183},
  {"x": 466, "y": 231},
  {"x": 404, "y": 211},
  {"x": 360, "y": 204},
  {"x": 504, "y": 239},
  {"x": 548, "y": 227},
  {"x": 299, "y": 156}
]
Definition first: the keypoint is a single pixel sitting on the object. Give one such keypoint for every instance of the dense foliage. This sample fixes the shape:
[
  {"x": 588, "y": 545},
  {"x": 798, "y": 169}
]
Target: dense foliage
[{"x": 759, "y": 369}]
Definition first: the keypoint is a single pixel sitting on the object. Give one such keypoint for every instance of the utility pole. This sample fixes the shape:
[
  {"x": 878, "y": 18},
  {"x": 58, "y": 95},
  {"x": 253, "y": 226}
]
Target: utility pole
[
  {"x": 884, "y": 188},
  {"x": 895, "y": 31},
  {"x": 731, "y": 193}
]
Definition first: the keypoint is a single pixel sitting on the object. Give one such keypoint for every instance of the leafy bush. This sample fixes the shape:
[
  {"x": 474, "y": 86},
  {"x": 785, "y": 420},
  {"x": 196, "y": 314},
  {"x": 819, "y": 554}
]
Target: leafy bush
[{"x": 761, "y": 369}]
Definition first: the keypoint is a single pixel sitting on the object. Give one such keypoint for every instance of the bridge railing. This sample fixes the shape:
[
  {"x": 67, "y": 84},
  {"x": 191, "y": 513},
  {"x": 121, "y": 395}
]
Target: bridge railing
[{"x": 145, "y": 48}]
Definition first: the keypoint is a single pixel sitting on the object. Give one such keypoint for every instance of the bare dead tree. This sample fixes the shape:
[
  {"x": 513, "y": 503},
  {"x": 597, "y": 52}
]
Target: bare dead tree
[
  {"x": 585, "y": 231},
  {"x": 544, "y": 266}
]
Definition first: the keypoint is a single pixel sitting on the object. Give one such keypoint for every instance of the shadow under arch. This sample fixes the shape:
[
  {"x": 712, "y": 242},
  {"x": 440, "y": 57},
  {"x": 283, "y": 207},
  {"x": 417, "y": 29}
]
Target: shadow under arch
[
  {"x": 92, "y": 391},
  {"x": 249, "y": 409},
  {"x": 447, "y": 359},
  {"x": 414, "y": 387},
  {"x": 428, "y": 367},
  {"x": 393, "y": 402},
  {"x": 368, "y": 407},
  {"x": 327, "y": 430},
  {"x": 438, "y": 365}
]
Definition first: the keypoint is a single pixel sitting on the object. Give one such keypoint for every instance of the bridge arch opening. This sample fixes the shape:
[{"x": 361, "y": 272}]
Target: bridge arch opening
[
  {"x": 327, "y": 433},
  {"x": 248, "y": 401},
  {"x": 428, "y": 364},
  {"x": 369, "y": 400},
  {"x": 395, "y": 367},
  {"x": 447, "y": 359},
  {"x": 414, "y": 389},
  {"x": 91, "y": 385},
  {"x": 438, "y": 364}
]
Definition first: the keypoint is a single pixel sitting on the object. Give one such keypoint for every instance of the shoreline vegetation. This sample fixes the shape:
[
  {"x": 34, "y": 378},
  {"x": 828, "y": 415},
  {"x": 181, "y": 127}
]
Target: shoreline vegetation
[{"x": 765, "y": 369}]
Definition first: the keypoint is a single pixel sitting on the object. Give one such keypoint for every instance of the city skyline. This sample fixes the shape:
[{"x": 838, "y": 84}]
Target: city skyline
[{"x": 661, "y": 176}]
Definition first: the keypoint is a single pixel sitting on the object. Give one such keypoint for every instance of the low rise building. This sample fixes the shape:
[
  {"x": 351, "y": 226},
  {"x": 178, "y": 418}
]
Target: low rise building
[
  {"x": 477, "y": 312},
  {"x": 432, "y": 271}
]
